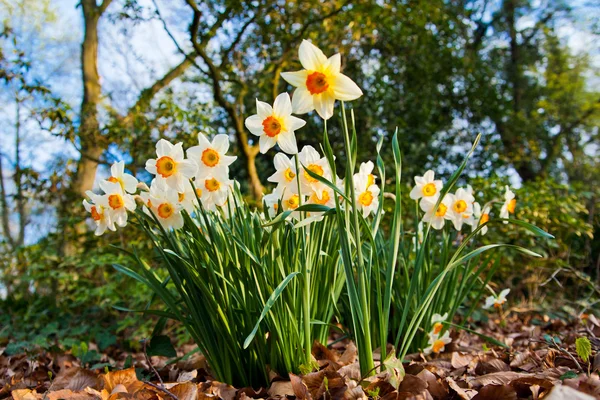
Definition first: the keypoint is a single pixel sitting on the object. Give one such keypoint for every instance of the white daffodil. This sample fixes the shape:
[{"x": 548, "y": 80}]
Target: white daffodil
[
  {"x": 311, "y": 159},
  {"x": 171, "y": 166},
  {"x": 496, "y": 301},
  {"x": 367, "y": 169},
  {"x": 437, "y": 344},
  {"x": 187, "y": 199},
  {"x": 437, "y": 321},
  {"x": 215, "y": 190},
  {"x": 275, "y": 125},
  {"x": 271, "y": 202},
  {"x": 320, "y": 83},
  {"x": 117, "y": 175},
  {"x": 211, "y": 157},
  {"x": 480, "y": 217},
  {"x": 116, "y": 202},
  {"x": 285, "y": 174},
  {"x": 426, "y": 186},
  {"x": 510, "y": 203},
  {"x": 325, "y": 198},
  {"x": 437, "y": 217},
  {"x": 99, "y": 215},
  {"x": 290, "y": 201},
  {"x": 163, "y": 202},
  {"x": 367, "y": 197},
  {"x": 461, "y": 207}
]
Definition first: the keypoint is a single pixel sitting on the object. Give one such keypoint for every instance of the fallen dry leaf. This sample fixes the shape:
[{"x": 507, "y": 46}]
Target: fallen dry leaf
[{"x": 496, "y": 392}]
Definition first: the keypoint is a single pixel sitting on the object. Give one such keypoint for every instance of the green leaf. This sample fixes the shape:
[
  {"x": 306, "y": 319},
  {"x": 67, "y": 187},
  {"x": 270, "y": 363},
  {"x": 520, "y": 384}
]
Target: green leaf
[
  {"x": 584, "y": 348},
  {"x": 161, "y": 346},
  {"x": 568, "y": 375},
  {"x": 274, "y": 296}
]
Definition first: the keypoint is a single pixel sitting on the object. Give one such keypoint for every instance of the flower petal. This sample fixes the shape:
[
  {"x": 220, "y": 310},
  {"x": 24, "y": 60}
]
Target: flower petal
[
  {"x": 282, "y": 105},
  {"x": 263, "y": 109},
  {"x": 187, "y": 168},
  {"x": 335, "y": 63},
  {"x": 163, "y": 148},
  {"x": 265, "y": 143},
  {"x": 117, "y": 169},
  {"x": 221, "y": 143},
  {"x": 302, "y": 101},
  {"x": 311, "y": 57},
  {"x": 296, "y": 78},
  {"x": 254, "y": 125},
  {"x": 345, "y": 89},
  {"x": 287, "y": 142},
  {"x": 280, "y": 161},
  {"x": 294, "y": 123},
  {"x": 324, "y": 104}
]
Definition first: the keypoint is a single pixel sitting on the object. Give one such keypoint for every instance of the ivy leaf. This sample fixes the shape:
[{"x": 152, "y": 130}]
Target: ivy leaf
[{"x": 583, "y": 348}]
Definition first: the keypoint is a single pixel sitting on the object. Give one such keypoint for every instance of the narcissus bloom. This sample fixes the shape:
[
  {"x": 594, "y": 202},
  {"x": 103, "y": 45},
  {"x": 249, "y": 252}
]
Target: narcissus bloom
[
  {"x": 426, "y": 186},
  {"x": 461, "y": 207},
  {"x": 98, "y": 213},
  {"x": 187, "y": 199},
  {"x": 480, "y": 217},
  {"x": 320, "y": 83},
  {"x": 163, "y": 202},
  {"x": 275, "y": 125},
  {"x": 367, "y": 197},
  {"x": 117, "y": 175},
  {"x": 271, "y": 202},
  {"x": 116, "y": 202},
  {"x": 367, "y": 169},
  {"x": 437, "y": 344},
  {"x": 211, "y": 158},
  {"x": 170, "y": 165},
  {"x": 311, "y": 159},
  {"x": 437, "y": 217},
  {"x": 510, "y": 203},
  {"x": 496, "y": 301},
  {"x": 215, "y": 190},
  {"x": 437, "y": 323},
  {"x": 285, "y": 174}
]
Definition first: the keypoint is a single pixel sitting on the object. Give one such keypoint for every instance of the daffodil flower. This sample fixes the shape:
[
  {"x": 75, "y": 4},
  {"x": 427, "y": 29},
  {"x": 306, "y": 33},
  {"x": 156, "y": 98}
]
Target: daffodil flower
[
  {"x": 99, "y": 215},
  {"x": 275, "y": 125},
  {"x": 496, "y": 301},
  {"x": 437, "y": 344},
  {"x": 437, "y": 321},
  {"x": 367, "y": 197},
  {"x": 187, "y": 198},
  {"x": 116, "y": 202},
  {"x": 426, "y": 186},
  {"x": 211, "y": 157},
  {"x": 117, "y": 175},
  {"x": 163, "y": 202},
  {"x": 320, "y": 83},
  {"x": 480, "y": 217},
  {"x": 170, "y": 165},
  {"x": 437, "y": 217},
  {"x": 367, "y": 169},
  {"x": 215, "y": 190},
  {"x": 461, "y": 207},
  {"x": 510, "y": 203},
  {"x": 311, "y": 160},
  {"x": 285, "y": 174},
  {"x": 271, "y": 201}
]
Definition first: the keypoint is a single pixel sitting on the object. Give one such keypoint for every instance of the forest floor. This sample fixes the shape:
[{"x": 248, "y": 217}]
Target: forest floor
[{"x": 540, "y": 361}]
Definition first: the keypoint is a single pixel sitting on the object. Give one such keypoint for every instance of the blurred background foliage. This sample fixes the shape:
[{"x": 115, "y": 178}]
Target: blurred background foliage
[{"x": 88, "y": 83}]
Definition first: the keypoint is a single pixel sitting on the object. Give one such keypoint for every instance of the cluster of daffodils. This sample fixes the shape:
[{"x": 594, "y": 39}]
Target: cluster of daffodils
[
  {"x": 460, "y": 207},
  {"x": 179, "y": 184},
  {"x": 437, "y": 343},
  {"x": 318, "y": 85}
]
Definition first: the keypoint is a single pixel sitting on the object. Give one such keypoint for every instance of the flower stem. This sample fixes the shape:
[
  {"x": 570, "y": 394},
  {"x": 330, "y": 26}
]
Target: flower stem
[{"x": 306, "y": 276}]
